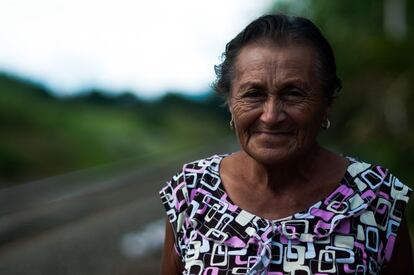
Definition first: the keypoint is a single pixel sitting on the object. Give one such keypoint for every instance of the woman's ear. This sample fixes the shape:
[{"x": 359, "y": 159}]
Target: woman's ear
[
  {"x": 326, "y": 112},
  {"x": 229, "y": 106},
  {"x": 325, "y": 123}
]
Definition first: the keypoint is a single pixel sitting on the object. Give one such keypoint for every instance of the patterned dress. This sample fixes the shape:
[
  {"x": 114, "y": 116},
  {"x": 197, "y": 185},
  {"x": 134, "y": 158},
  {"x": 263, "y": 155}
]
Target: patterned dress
[{"x": 351, "y": 231}]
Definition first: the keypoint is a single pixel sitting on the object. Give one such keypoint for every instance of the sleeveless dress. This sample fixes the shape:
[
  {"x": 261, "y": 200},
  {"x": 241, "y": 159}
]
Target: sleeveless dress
[{"x": 351, "y": 231}]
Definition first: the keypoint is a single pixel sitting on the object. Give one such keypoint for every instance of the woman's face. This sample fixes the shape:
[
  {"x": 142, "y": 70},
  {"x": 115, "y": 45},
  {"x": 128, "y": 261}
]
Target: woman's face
[{"x": 276, "y": 101}]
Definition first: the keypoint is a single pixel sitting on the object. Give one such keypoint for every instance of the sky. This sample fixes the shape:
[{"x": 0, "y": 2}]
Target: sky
[{"x": 146, "y": 47}]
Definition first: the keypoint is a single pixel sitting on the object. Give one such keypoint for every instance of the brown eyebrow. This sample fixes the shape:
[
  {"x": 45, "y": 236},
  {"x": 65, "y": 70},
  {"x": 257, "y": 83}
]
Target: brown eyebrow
[
  {"x": 251, "y": 84},
  {"x": 300, "y": 86},
  {"x": 289, "y": 83},
  {"x": 295, "y": 82}
]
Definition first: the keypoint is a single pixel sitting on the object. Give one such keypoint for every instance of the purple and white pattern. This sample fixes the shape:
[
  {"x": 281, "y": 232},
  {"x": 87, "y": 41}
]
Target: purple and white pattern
[{"x": 352, "y": 231}]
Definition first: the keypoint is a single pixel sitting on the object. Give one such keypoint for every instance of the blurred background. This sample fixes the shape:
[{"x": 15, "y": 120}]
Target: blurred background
[{"x": 102, "y": 101}]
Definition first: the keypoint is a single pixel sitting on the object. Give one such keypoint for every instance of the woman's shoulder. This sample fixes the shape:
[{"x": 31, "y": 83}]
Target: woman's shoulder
[
  {"x": 194, "y": 171},
  {"x": 377, "y": 182},
  {"x": 376, "y": 176},
  {"x": 193, "y": 175},
  {"x": 210, "y": 162},
  {"x": 386, "y": 195},
  {"x": 388, "y": 198}
]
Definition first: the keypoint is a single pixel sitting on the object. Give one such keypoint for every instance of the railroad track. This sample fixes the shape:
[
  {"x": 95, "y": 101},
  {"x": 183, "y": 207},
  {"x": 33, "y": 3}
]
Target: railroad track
[{"x": 106, "y": 220}]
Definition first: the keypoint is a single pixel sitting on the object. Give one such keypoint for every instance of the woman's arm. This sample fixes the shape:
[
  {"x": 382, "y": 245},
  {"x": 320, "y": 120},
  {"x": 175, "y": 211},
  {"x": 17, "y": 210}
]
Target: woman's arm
[
  {"x": 402, "y": 256},
  {"x": 171, "y": 264}
]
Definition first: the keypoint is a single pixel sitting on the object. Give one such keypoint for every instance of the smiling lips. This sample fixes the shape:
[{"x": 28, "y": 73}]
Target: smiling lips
[{"x": 274, "y": 133}]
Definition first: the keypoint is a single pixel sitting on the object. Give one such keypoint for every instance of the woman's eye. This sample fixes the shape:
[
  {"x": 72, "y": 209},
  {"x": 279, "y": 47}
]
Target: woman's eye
[
  {"x": 253, "y": 94},
  {"x": 294, "y": 93}
]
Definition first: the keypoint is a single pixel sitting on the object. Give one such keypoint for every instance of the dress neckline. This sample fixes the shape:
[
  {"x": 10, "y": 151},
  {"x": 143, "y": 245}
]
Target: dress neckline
[
  {"x": 305, "y": 211},
  {"x": 215, "y": 216}
]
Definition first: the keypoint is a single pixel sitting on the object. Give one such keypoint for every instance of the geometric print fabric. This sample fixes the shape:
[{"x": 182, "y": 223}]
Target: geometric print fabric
[{"x": 351, "y": 231}]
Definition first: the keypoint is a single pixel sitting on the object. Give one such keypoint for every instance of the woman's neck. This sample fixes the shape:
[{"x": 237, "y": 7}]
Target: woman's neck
[{"x": 284, "y": 176}]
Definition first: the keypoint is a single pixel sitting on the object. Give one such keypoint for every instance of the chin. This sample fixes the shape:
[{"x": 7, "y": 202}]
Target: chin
[{"x": 273, "y": 156}]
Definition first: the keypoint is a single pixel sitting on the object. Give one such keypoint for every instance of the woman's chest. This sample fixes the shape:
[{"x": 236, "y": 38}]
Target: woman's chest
[{"x": 349, "y": 249}]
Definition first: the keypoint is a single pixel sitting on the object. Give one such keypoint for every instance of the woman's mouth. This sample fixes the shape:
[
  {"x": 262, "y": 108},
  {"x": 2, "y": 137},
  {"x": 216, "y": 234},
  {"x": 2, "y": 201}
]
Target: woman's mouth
[{"x": 274, "y": 133}]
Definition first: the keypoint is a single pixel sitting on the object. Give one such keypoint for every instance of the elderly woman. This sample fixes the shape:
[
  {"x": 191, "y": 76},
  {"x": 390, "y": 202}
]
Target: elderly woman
[{"x": 283, "y": 204}]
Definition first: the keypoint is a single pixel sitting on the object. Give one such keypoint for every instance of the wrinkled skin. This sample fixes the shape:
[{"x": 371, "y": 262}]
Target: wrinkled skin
[{"x": 276, "y": 102}]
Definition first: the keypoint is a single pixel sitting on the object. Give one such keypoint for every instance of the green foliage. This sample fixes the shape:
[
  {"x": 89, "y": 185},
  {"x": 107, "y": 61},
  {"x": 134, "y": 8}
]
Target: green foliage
[{"x": 42, "y": 135}]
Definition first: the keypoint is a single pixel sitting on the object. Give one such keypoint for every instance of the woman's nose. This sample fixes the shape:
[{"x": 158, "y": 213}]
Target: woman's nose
[{"x": 272, "y": 112}]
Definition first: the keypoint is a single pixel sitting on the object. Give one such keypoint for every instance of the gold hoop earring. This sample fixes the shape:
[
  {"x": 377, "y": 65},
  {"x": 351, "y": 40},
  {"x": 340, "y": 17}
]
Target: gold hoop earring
[{"x": 326, "y": 125}]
